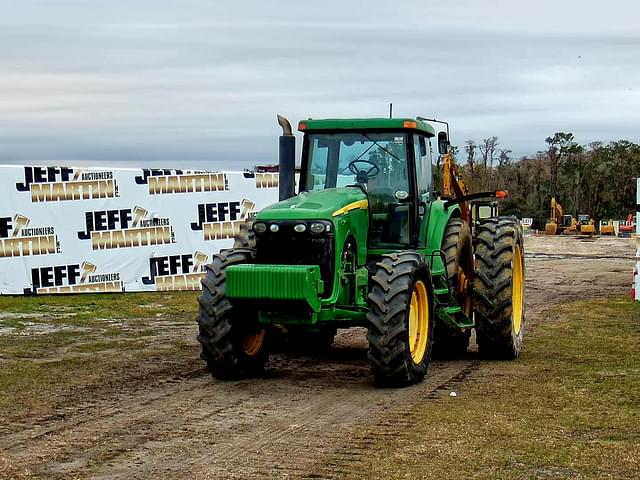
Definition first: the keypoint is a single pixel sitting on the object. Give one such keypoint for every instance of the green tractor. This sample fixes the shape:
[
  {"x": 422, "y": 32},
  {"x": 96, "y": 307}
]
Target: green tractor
[{"x": 366, "y": 242}]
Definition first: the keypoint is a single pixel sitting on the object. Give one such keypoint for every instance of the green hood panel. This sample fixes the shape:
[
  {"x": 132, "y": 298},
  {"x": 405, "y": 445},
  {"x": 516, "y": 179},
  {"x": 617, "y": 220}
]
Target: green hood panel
[{"x": 315, "y": 205}]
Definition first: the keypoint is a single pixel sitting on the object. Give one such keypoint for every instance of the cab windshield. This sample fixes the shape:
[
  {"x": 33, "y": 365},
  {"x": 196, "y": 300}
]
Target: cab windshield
[
  {"x": 334, "y": 160},
  {"x": 377, "y": 162}
]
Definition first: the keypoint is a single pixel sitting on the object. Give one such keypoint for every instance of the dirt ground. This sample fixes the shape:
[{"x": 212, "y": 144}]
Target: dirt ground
[{"x": 169, "y": 419}]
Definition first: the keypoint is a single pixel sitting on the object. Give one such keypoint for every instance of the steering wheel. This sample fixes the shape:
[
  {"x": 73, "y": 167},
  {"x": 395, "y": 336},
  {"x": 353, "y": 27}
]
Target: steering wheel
[{"x": 363, "y": 175}]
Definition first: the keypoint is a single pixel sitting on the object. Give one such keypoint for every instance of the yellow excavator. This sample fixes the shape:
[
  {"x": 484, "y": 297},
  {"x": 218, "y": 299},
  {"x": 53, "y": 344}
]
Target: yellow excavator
[
  {"x": 559, "y": 222},
  {"x": 571, "y": 226}
]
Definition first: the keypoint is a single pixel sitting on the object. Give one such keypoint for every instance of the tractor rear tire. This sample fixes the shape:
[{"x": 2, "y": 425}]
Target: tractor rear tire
[
  {"x": 499, "y": 287},
  {"x": 401, "y": 320},
  {"x": 458, "y": 251},
  {"x": 233, "y": 344}
]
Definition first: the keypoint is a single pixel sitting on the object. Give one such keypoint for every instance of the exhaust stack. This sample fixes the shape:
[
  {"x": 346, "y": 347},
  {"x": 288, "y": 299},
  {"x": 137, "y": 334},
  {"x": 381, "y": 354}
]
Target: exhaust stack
[{"x": 286, "y": 160}]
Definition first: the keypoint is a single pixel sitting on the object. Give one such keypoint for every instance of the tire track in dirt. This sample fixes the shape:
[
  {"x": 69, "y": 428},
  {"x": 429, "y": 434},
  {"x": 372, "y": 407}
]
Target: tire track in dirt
[
  {"x": 250, "y": 428},
  {"x": 282, "y": 438},
  {"x": 345, "y": 460}
]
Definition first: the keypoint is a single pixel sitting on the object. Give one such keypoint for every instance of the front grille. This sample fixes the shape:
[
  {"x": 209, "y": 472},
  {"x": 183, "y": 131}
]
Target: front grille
[{"x": 288, "y": 247}]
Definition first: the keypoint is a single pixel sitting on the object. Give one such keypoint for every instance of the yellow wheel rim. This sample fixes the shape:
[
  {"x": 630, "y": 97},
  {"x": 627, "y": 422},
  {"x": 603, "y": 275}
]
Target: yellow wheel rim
[
  {"x": 252, "y": 343},
  {"x": 463, "y": 293},
  {"x": 517, "y": 290},
  {"x": 418, "y": 322}
]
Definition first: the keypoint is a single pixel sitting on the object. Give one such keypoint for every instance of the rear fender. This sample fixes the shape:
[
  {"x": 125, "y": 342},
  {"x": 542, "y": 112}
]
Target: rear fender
[{"x": 432, "y": 233}]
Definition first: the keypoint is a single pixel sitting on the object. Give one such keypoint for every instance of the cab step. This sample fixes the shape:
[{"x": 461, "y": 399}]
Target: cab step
[{"x": 441, "y": 291}]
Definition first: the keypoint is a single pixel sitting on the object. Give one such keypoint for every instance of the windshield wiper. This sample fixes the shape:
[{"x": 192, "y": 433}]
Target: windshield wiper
[
  {"x": 376, "y": 143},
  {"x": 373, "y": 143}
]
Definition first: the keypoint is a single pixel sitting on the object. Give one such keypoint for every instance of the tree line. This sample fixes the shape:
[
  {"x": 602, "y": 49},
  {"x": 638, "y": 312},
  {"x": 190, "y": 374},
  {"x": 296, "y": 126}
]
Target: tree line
[{"x": 597, "y": 179}]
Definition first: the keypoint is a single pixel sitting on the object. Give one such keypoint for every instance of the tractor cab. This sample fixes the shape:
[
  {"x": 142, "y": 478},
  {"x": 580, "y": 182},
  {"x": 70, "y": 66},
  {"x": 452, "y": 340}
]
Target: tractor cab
[
  {"x": 388, "y": 160},
  {"x": 483, "y": 209}
]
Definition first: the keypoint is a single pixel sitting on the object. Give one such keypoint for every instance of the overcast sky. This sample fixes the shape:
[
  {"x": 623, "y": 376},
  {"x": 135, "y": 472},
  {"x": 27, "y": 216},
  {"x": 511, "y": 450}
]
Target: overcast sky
[{"x": 198, "y": 83}]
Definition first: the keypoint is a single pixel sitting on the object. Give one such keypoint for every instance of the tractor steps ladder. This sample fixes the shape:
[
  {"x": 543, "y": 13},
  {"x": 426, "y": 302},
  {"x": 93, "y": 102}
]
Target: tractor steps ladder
[{"x": 445, "y": 305}]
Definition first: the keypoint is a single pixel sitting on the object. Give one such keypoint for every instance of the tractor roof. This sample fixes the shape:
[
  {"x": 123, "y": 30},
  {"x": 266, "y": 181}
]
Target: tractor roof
[{"x": 366, "y": 124}]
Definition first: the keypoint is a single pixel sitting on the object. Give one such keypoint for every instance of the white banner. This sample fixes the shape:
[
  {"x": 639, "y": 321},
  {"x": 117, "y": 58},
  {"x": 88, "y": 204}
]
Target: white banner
[{"x": 83, "y": 230}]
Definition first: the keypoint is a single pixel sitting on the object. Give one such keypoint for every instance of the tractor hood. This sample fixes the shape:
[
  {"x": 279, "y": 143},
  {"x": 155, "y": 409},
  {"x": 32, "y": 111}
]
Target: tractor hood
[{"x": 316, "y": 205}]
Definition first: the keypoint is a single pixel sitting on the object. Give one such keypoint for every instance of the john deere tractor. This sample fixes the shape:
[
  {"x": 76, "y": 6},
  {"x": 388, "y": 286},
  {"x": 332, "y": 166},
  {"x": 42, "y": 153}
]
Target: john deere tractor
[{"x": 366, "y": 241}]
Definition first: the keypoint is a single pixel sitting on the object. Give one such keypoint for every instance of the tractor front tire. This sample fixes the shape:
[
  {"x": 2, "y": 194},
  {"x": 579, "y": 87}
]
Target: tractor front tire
[
  {"x": 400, "y": 319},
  {"x": 233, "y": 344},
  {"x": 246, "y": 237},
  {"x": 499, "y": 287},
  {"x": 458, "y": 252}
]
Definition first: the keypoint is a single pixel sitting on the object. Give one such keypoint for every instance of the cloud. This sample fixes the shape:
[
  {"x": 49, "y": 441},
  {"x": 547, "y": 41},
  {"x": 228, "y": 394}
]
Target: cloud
[{"x": 186, "y": 81}]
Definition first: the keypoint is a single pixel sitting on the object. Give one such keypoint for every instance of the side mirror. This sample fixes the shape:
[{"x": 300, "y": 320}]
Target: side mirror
[{"x": 443, "y": 143}]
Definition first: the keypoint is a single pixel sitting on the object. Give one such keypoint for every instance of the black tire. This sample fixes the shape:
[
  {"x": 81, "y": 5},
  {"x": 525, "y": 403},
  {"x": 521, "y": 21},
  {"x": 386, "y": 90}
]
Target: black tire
[
  {"x": 457, "y": 246},
  {"x": 233, "y": 344},
  {"x": 499, "y": 287},
  {"x": 396, "y": 278},
  {"x": 246, "y": 237}
]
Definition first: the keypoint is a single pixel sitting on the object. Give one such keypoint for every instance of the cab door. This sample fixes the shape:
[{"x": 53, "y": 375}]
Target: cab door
[{"x": 424, "y": 183}]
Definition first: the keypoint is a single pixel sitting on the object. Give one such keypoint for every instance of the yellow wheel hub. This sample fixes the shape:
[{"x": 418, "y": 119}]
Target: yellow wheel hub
[
  {"x": 252, "y": 343},
  {"x": 517, "y": 290},
  {"x": 463, "y": 293},
  {"x": 418, "y": 322}
]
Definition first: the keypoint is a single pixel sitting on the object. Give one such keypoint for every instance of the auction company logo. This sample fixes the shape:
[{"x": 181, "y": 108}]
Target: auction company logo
[
  {"x": 125, "y": 228},
  {"x": 264, "y": 179},
  {"x": 267, "y": 180},
  {"x": 17, "y": 239},
  {"x": 176, "y": 272},
  {"x": 73, "y": 278},
  {"x": 54, "y": 184},
  {"x": 167, "y": 181},
  {"x": 222, "y": 220}
]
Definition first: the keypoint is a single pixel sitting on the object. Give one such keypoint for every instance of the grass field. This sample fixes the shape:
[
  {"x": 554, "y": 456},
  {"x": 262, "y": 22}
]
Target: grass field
[
  {"x": 53, "y": 347},
  {"x": 569, "y": 408}
]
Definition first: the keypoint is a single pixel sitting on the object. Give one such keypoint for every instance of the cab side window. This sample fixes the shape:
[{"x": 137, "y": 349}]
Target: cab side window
[{"x": 424, "y": 177}]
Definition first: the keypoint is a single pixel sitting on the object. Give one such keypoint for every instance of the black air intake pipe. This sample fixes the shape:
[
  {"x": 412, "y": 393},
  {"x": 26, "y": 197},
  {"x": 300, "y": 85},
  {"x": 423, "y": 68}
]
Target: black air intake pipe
[{"x": 287, "y": 160}]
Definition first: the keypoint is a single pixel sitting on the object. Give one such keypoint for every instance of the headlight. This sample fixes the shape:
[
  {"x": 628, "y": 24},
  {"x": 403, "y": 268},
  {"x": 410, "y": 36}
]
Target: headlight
[
  {"x": 259, "y": 227},
  {"x": 301, "y": 227},
  {"x": 274, "y": 227},
  {"x": 317, "y": 227}
]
